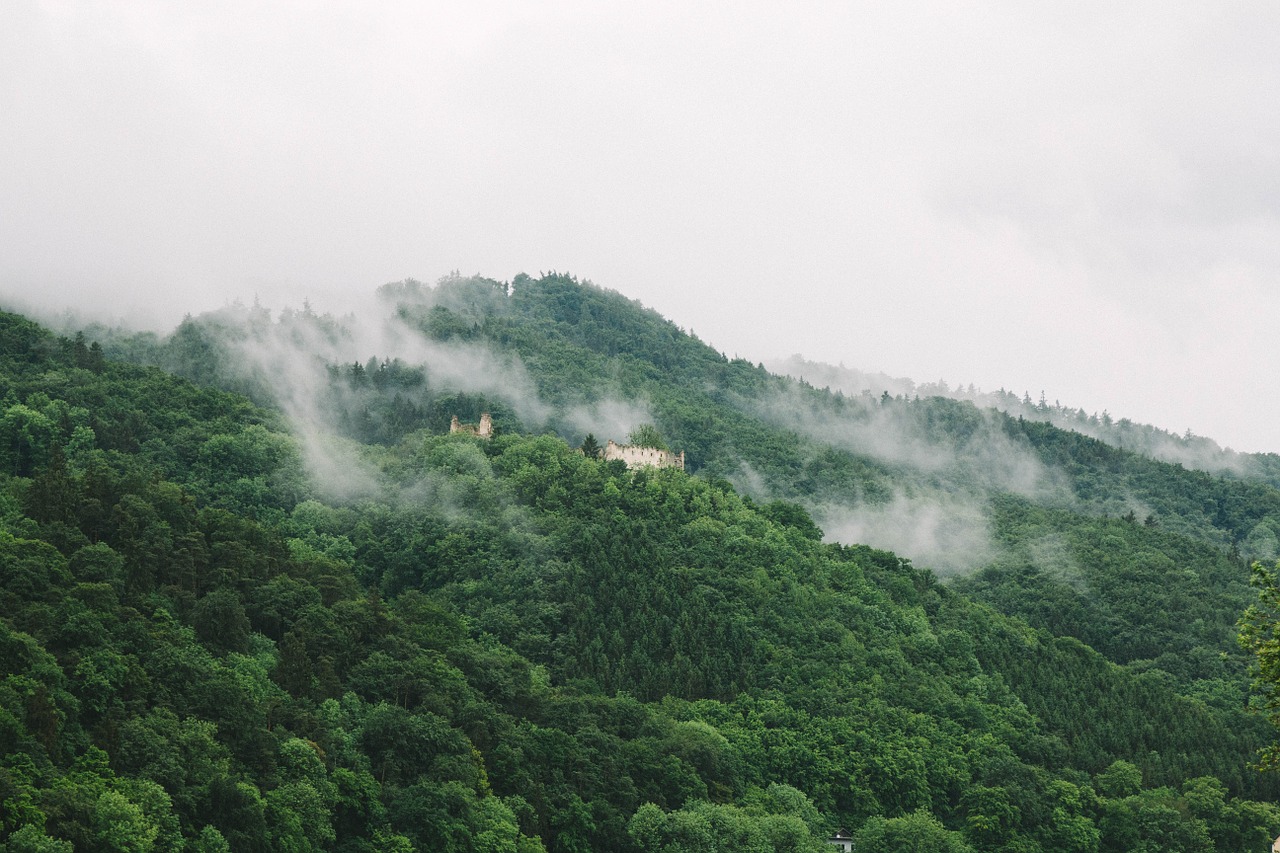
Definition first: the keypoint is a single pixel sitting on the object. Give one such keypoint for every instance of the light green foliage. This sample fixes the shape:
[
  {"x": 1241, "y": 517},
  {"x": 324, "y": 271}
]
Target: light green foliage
[
  {"x": 1121, "y": 779},
  {"x": 647, "y": 435},
  {"x": 29, "y": 839},
  {"x": 210, "y": 840},
  {"x": 25, "y": 438},
  {"x": 911, "y": 833},
  {"x": 703, "y": 826}
]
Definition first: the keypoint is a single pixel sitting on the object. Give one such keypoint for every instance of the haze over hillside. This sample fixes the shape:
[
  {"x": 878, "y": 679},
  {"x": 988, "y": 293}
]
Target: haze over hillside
[
  {"x": 917, "y": 486},
  {"x": 1193, "y": 451},
  {"x": 311, "y": 618}
]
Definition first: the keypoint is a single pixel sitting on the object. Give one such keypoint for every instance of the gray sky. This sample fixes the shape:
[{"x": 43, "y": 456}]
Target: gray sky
[{"x": 1077, "y": 197}]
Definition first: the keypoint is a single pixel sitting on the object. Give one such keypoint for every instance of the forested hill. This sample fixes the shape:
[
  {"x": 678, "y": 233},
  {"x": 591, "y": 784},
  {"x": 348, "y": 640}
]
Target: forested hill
[
  {"x": 1188, "y": 449},
  {"x": 1070, "y": 532},
  {"x": 556, "y": 354},
  {"x": 316, "y": 621}
]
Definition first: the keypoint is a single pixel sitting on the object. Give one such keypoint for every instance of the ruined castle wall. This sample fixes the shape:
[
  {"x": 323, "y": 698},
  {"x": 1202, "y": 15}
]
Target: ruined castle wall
[
  {"x": 484, "y": 429},
  {"x": 638, "y": 457}
]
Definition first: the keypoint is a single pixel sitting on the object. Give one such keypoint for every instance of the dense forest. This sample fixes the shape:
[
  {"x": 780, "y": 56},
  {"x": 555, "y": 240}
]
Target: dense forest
[{"x": 254, "y": 596}]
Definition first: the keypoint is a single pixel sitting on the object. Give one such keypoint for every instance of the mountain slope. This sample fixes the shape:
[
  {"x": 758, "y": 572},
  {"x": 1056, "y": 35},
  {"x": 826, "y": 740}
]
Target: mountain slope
[
  {"x": 930, "y": 477},
  {"x": 449, "y": 643},
  {"x": 1189, "y": 450}
]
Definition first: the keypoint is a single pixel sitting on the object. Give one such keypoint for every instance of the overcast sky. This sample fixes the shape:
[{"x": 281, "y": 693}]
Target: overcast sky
[{"x": 1077, "y": 197}]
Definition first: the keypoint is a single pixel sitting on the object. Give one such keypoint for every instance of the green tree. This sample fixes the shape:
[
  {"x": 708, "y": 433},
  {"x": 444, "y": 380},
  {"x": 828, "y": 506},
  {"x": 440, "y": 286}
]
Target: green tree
[
  {"x": 220, "y": 621},
  {"x": 25, "y": 438},
  {"x": 1260, "y": 635},
  {"x": 647, "y": 435},
  {"x": 96, "y": 360},
  {"x": 990, "y": 817},
  {"x": 30, "y": 839},
  {"x": 1121, "y": 779},
  {"x": 210, "y": 840},
  {"x": 913, "y": 833}
]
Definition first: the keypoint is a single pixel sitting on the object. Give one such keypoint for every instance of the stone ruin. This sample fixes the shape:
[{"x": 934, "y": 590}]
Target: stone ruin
[
  {"x": 484, "y": 429},
  {"x": 643, "y": 457}
]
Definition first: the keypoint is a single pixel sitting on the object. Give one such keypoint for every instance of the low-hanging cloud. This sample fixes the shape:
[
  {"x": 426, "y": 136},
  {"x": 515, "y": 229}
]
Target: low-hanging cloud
[
  {"x": 292, "y": 360},
  {"x": 945, "y": 475},
  {"x": 289, "y": 359},
  {"x": 1188, "y": 450},
  {"x": 948, "y": 535},
  {"x": 610, "y": 418},
  {"x": 976, "y": 455}
]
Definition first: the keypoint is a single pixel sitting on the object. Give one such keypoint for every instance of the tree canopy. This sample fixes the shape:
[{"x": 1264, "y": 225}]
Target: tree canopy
[{"x": 510, "y": 645}]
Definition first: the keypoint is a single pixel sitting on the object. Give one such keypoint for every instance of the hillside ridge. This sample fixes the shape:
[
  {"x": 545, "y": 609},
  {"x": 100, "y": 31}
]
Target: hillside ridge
[{"x": 319, "y": 621}]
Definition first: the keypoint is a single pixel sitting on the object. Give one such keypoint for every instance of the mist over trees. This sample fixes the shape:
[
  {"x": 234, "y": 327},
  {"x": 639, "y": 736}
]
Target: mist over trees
[
  {"x": 253, "y": 596},
  {"x": 1188, "y": 449}
]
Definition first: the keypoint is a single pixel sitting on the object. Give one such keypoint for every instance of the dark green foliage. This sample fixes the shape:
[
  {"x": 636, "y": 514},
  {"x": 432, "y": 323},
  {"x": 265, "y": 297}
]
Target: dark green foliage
[
  {"x": 1140, "y": 594},
  {"x": 515, "y": 646}
]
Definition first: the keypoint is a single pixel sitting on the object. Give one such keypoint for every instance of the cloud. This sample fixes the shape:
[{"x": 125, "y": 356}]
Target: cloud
[
  {"x": 970, "y": 452},
  {"x": 947, "y": 460},
  {"x": 289, "y": 358},
  {"x": 1189, "y": 450},
  {"x": 948, "y": 535},
  {"x": 607, "y": 419}
]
